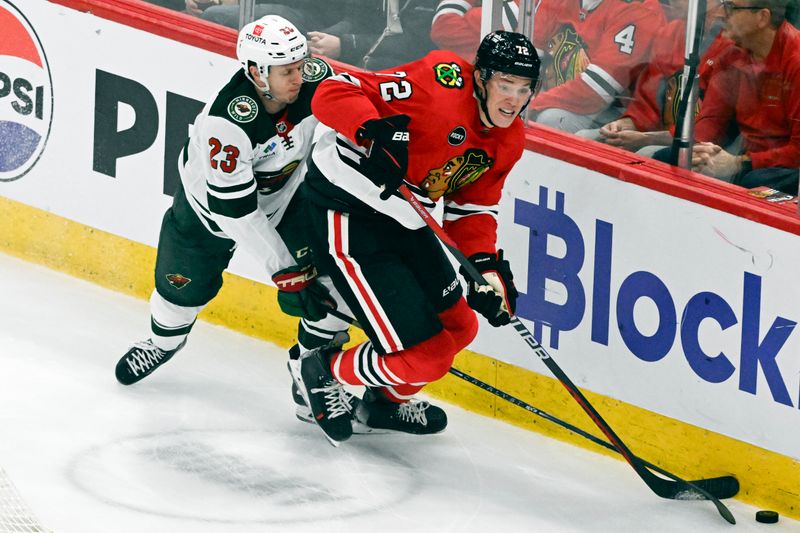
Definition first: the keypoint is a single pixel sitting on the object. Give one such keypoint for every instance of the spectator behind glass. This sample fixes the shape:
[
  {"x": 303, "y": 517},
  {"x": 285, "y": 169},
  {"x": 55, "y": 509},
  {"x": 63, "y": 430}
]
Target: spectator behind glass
[
  {"x": 757, "y": 90},
  {"x": 356, "y": 32},
  {"x": 593, "y": 52},
  {"x": 177, "y": 5},
  {"x": 646, "y": 124},
  {"x": 377, "y": 34},
  {"x": 306, "y": 14},
  {"x": 457, "y": 25}
]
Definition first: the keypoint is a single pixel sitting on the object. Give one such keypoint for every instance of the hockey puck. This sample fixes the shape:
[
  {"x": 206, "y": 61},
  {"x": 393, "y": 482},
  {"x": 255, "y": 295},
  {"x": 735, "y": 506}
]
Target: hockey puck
[{"x": 767, "y": 517}]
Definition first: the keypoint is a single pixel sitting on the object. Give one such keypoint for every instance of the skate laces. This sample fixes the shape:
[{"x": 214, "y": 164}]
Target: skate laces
[
  {"x": 414, "y": 412},
  {"x": 337, "y": 400},
  {"x": 143, "y": 357}
]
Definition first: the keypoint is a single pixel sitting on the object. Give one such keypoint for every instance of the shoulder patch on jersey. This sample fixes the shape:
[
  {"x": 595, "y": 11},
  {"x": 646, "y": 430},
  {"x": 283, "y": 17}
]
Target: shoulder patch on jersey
[
  {"x": 314, "y": 69},
  {"x": 448, "y": 75},
  {"x": 243, "y": 109}
]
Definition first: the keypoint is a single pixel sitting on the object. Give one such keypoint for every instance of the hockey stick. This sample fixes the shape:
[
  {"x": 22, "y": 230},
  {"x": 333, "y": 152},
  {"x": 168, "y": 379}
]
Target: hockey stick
[
  {"x": 718, "y": 490},
  {"x": 674, "y": 488},
  {"x": 726, "y": 489},
  {"x": 721, "y": 487}
]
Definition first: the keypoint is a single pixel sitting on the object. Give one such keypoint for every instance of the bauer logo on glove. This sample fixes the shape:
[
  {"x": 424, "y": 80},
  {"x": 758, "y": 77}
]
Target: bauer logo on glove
[{"x": 387, "y": 162}]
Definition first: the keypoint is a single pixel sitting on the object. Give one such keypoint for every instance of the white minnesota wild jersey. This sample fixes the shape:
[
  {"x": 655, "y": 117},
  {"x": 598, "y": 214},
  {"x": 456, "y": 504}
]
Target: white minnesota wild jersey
[{"x": 241, "y": 166}]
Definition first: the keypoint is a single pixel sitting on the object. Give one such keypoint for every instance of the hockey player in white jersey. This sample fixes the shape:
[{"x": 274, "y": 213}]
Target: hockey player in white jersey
[{"x": 241, "y": 172}]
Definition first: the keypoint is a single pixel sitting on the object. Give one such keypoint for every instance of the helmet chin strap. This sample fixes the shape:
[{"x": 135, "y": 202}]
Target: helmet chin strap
[{"x": 263, "y": 91}]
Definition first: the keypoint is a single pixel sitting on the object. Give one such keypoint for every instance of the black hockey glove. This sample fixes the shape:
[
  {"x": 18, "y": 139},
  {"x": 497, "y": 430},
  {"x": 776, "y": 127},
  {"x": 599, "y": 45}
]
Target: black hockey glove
[
  {"x": 498, "y": 300},
  {"x": 301, "y": 294},
  {"x": 387, "y": 163}
]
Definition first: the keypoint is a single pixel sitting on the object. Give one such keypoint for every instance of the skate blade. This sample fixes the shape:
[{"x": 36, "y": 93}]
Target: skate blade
[
  {"x": 359, "y": 428},
  {"x": 304, "y": 415},
  {"x": 294, "y": 370}
]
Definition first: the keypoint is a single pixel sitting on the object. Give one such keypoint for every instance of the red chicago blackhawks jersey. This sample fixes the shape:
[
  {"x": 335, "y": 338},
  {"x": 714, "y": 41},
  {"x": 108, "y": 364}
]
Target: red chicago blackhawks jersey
[
  {"x": 456, "y": 25},
  {"x": 593, "y": 50},
  {"x": 457, "y": 166},
  {"x": 655, "y": 102}
]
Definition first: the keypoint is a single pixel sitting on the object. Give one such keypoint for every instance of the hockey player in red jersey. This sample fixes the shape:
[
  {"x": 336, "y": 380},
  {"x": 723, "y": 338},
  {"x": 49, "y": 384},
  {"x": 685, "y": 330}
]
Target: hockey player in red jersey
[
  {"x": 451, "y": 132},
  {"x": 592, "y": 51}
]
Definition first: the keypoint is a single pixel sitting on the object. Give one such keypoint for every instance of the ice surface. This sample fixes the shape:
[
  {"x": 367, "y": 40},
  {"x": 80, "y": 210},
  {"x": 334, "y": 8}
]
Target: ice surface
[{"x": 209, "y": 443}]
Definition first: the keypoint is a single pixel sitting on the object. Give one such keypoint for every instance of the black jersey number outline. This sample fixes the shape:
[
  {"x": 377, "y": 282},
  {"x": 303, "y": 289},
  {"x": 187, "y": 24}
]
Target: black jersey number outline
[{"x": 395, "y": 90}]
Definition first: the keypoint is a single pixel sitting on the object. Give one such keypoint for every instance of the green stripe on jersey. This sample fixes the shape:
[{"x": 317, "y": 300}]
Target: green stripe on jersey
[{"x": 231, "y": 188}]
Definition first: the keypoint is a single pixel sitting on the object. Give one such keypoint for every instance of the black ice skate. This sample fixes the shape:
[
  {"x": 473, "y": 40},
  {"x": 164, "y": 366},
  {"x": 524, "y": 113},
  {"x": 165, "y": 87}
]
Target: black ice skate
[
  {"x": 301, "y": 409},
  {"x": 416, "y": 417},
  {"x": 142, "y": 360},
  {"x": 326, "y": 397}
]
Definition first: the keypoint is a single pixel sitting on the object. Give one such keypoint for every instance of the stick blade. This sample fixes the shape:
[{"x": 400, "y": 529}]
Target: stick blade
[{"x": 721, "y": 487}]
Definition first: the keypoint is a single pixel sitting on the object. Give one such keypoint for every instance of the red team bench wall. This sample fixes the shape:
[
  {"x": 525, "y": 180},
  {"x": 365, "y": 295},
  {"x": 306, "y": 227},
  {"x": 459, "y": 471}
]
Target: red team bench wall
[{"x": 670, "y": 298}]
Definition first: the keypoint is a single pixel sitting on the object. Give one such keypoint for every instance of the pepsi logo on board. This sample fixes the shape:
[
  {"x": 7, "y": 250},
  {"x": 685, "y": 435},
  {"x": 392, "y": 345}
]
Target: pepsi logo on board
[{"x": 26, "y": 94}]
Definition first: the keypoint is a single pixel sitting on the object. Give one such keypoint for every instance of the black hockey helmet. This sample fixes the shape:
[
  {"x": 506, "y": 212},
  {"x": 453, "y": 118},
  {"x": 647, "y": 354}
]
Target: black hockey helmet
[{"x": 508, "y": 52}]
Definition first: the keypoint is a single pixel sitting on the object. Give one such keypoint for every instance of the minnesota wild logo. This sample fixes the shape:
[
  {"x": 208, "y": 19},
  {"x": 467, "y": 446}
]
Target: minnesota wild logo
[
  {"x": 243, "y": 109},
  {"x": 314, "y": 69},
  {"x": 178, "y": 281},
  {"x": 448, "y": 75}
]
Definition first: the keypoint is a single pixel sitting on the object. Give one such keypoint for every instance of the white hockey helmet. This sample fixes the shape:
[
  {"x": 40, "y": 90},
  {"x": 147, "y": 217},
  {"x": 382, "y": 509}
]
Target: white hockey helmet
[{"x": 268, "y": 41}]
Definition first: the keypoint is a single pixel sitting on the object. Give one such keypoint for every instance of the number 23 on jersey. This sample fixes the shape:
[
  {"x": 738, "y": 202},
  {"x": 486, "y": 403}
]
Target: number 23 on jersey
[{"x": 226, "y": 162}]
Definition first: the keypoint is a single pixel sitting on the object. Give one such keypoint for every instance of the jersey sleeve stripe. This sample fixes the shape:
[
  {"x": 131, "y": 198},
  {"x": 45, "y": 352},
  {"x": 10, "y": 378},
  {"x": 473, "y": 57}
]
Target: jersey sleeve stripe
[
  {"x": 231, "y": 188},
  {"x": 348, "y": 151},
  {"x": 454, "y": 212},
  {"x": 510, "y": 16},
  {"x": 601, "y": 82},
  {"x": 201, "y": 210},
  {"x": 237, "y": 207},
  {"x": 451, "y": 7},
  {"x": 346, "y": 78}
]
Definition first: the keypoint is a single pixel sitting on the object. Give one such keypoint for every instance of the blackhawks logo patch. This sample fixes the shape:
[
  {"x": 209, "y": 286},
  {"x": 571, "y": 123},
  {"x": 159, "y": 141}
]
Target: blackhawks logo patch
[
  {"x": 178, "y": 281},
  {"x": 243, "y": 109},
  {"x": 456, "y": 172},
  {"x": 448, "y": 75},
  {"x": 314, "y": 69}
]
